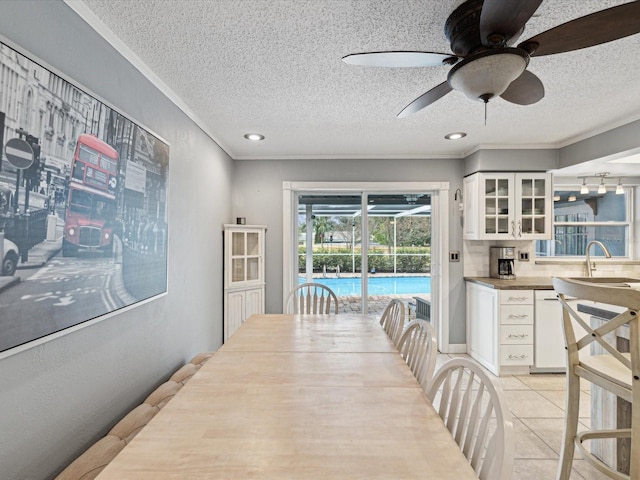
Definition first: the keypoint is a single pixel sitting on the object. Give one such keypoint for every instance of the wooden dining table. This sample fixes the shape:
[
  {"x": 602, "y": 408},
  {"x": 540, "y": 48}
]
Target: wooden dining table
[{"x": 297, "y": 397}]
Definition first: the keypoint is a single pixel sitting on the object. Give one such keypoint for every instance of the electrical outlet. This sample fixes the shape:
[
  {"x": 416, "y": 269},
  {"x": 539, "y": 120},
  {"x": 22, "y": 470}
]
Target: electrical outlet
[
  {"x": 454, "y": 256},
  {"x": 523, "y": 256}
]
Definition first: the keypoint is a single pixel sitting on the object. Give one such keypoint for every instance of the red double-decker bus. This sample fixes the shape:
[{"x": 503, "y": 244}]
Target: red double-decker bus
[{"x": 91, "y": 204}]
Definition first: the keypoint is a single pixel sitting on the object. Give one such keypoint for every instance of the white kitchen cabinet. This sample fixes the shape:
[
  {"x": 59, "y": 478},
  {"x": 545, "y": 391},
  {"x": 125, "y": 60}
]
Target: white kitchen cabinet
[
  {"x": 508, "y": 206},
  {"x": 243, "y": 274},
  {"x": 500, "y": 328}
]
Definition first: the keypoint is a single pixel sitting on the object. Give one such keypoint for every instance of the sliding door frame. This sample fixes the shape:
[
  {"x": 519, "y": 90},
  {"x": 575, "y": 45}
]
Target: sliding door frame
[{"x": 439, "y": 192}]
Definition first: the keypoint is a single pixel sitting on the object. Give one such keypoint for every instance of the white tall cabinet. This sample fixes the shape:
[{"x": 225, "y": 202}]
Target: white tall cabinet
[
  {"x": 243, "y": 274},
  {"x": 508, "y": 206}
]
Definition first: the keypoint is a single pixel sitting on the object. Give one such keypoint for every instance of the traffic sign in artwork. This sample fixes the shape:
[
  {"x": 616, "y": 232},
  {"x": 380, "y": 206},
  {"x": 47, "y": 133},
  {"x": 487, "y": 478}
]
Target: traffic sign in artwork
[{"x": 19, "y": 153}]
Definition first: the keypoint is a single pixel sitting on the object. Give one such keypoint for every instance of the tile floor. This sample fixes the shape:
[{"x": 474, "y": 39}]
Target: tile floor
[{"x": 537, "y": 405}]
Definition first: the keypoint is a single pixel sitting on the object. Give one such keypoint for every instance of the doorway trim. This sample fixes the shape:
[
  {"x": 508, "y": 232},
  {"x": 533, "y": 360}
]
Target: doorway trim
[{"x": 439, "y": 192}]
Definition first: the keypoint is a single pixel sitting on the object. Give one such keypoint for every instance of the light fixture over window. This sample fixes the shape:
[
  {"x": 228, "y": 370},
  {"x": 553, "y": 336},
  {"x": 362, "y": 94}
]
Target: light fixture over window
[
  {"x": 572, "y": 198},
  {"x": 254, "y": 137},
  {"x": 584, "y": 190},
  {"x": 601, "y": 188},
  {"x": 619, "y": 187}
]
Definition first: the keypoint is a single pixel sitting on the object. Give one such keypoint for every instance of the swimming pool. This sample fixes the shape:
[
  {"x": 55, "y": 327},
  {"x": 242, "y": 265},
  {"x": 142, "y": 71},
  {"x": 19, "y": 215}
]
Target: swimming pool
[{"x": 346, "y": 286}]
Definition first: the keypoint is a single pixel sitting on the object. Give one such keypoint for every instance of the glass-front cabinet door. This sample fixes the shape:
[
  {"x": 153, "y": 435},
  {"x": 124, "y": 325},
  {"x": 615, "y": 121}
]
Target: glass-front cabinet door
[
  {"x": 497, "y": 205},
  {"x": 533, "y": 205},
  {"x": 246, "y": 256}
]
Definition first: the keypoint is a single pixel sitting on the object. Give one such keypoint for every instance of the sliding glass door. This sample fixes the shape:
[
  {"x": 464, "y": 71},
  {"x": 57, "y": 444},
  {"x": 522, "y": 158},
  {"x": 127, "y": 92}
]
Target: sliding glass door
[{"x": 387, "y": 236}]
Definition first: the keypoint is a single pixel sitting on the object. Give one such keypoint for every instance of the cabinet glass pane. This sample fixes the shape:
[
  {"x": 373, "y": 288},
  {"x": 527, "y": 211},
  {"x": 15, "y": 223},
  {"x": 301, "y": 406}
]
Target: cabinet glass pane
[
  {"x": 539, "y": 189},
  {"x": 527, "y": 187},
  {"x": 538, "y": 208},
  {"x": 490, "y": 206},
  {"x": 237, "y": 270},
  {"x": 539, "y": 225},
  {"x": 237, "y": 243},
  {"x": 526, "y": 225},
  {"x": 490, "y": 187},
  {"x": 503, "y": 206},
  {"x": 490, "y": 225},
  {"x": 527, "y": 206},
  {"x": 503, "y": 187},
  {"x": 252, "y": 243},
  {"x": 503, "y": 225},
  {"x": 252, "y": 269}
]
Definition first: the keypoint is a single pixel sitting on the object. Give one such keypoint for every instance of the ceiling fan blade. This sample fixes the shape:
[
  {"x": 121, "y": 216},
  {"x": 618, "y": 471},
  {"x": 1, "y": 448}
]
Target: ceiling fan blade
[
  {"x": 395, "y": 59},
  {"x": 426, "y": 99},
  {"x": 594, "y": 29},
  {"x": 527, "y": 89},
  {"x": 501, "y": 20}
]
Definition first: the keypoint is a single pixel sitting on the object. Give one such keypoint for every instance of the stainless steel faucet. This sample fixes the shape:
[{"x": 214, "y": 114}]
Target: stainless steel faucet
[{"x": 607, "y": 254}]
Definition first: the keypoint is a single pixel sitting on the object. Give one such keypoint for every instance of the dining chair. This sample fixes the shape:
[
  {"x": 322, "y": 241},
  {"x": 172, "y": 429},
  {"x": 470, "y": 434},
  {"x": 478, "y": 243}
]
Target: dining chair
[
  {"x": 474, "y": 410},
  {"x": 419, "y": 348},
  {"x": 89, "y": 465},
  {"x": 161, "y": 395},
  {"x": 134, "y": 421},
  {"x": 392, "y": 320},
  {"x": 312, "y": 298},
  {"x": 596, "y": 357}
]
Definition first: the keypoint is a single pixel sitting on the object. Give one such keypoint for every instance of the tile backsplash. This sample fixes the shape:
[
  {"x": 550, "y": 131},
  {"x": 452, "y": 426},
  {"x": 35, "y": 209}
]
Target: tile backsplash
[{"x": 475, "y": 257}]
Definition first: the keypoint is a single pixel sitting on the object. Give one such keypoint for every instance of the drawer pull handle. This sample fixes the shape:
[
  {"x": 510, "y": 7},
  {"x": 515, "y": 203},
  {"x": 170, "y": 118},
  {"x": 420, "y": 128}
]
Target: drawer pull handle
[
  {"x": 518, "y": 335},
  {"x": 517, "y": 299},
  {"x": 520, "y": 315},
  {"x": 518, "y": 357}
]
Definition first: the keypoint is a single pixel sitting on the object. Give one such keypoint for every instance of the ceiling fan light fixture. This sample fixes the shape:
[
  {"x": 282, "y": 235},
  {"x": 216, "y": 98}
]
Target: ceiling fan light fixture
[{"x": 489, "y": 73}]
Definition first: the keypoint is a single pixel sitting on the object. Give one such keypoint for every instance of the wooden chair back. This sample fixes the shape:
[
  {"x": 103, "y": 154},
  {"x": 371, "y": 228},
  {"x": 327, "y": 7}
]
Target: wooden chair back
[
  {"x": 312, "y": 298},
  {"x": 474, "y": 410},
  {"x": 392, "y": 320},
  {"x": 419, "y": 348}
]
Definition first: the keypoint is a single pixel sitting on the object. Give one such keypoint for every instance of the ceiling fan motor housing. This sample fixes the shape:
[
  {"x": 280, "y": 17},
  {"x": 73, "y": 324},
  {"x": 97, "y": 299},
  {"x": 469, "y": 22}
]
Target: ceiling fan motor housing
[{"x": 462, "y": 28}]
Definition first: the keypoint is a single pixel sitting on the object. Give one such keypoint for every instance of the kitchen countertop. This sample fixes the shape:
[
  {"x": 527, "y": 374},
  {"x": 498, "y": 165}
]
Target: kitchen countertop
[{"x": 519, "y": 283}]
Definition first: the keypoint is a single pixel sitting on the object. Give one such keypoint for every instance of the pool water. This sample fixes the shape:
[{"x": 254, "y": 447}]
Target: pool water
[{"x": 346, "y": 286}]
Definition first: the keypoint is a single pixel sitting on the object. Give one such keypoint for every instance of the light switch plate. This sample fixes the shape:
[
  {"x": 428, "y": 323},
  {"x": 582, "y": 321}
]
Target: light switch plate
[
  {"x": 454, "y": 256},
  {"x": 523, "y": 256}
]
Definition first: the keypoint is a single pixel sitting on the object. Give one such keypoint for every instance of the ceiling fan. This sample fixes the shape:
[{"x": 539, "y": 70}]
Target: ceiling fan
[{"x": 485, "y": 64}]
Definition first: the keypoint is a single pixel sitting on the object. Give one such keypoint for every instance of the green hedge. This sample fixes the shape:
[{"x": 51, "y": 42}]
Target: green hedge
[{"x": 408, "y": 260}]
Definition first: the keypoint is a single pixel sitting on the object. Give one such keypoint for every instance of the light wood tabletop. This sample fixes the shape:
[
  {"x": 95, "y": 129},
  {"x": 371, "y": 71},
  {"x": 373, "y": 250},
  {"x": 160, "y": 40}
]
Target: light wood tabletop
[{"x": 285, "y": 398}]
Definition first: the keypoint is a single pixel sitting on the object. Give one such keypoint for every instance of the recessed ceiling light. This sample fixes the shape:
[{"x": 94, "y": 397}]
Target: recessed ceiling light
[
  {"x": 254, "y": 137},
  {"x": 455, "y": 136}
]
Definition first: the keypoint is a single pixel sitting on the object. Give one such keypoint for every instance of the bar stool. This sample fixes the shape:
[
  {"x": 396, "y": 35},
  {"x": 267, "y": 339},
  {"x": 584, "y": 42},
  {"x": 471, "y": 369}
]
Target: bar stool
[{"x": 614, "y": 371}]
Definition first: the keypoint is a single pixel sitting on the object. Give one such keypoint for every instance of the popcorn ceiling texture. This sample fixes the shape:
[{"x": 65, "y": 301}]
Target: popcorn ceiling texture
[{"x": 273, "y": 66}]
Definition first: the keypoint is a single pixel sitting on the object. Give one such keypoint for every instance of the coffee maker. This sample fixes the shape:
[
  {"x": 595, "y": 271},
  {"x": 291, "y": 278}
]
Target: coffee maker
[{"x": 501, "y": 262}]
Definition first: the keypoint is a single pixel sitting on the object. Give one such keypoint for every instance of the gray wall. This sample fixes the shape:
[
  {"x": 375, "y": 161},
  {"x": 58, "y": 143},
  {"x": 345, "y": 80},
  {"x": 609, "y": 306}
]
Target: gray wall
[
  {"x": 59, "y": 397},
  {"x": 257, "y": 195}
]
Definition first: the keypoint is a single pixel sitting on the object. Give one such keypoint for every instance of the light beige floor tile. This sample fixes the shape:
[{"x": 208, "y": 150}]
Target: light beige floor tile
[
  {"x": 558, "y": 398},
  {"x": 524, "y": 469},
  {"x": 528, "y": 444},
  {"x": 530, "y": 404},
  {"x": 544, "y": 381},
  {"x": 587, "y": 471},
  {"x": 511, "y": 383},
  {"x": 549, "y": 430}
]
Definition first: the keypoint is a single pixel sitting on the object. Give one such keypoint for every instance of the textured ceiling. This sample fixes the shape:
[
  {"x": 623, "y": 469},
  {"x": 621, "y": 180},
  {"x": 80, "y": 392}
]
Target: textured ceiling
[{"x": 274, "y": 67}]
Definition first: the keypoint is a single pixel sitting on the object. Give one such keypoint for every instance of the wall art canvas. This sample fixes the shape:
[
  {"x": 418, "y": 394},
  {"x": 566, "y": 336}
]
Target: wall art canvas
[{"x": 83, "y": 205}]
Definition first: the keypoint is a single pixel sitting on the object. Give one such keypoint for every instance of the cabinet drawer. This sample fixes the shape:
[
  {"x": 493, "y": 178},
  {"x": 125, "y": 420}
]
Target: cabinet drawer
[
  {"x": 516, "y": 335},
  {"x": 516, "y": 297},
  {"x": 516, "y": 314},
  {"x": 516, "y": 355}
]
